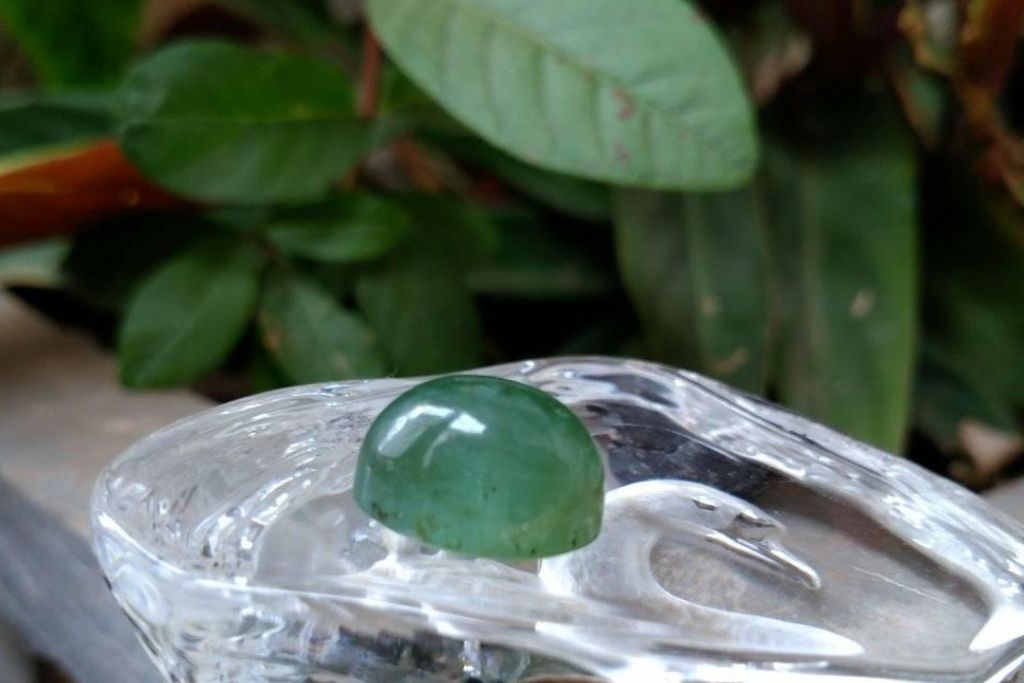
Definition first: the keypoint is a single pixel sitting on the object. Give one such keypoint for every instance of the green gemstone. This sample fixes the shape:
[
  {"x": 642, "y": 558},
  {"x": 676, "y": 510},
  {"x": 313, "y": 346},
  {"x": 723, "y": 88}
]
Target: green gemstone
[{"x": 483, "y": 466}]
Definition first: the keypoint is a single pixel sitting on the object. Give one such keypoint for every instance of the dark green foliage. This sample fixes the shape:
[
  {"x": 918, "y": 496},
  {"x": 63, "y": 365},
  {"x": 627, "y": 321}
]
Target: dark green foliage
[
  {"x": 188, "y": 315},
  {"x": 70, "y": 42},
  {"x": 974, "y": 277},
  {"x": 696, "y": 268},
  {"x": 417, "y": 298},
  {"x": 310, "y": 336},
  {"x": 344, "y": 229},
  {"x": 536, "y": 261},
  {"x": 107, "y": 262},
  {"x": 516, "y": 179},
  {"x": 219, "y": 122},
  {"x": 841, "y": 230},
  {"x": 572, "y": 196}
]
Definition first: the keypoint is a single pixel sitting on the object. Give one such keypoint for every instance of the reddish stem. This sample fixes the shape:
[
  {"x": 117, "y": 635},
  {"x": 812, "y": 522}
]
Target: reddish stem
[
  {"x": 417, "y": 166},
  {"x": 369, "y": 77}
]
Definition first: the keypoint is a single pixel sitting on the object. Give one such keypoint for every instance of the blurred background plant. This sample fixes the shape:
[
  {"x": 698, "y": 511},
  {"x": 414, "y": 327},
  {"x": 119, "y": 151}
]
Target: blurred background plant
[{"x": 819, "y": 202}]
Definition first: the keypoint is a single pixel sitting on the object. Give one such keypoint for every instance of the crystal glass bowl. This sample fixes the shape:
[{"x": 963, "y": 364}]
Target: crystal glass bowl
[{"x": 740, "y": 543}]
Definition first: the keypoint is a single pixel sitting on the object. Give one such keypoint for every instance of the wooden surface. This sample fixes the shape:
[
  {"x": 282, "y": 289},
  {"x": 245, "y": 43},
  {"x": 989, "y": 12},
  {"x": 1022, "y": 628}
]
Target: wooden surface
[
  {"x": 63, "y": 415},
  {"x": 1010, "y": 499},
  {"x": 62, "y": 418},
  {"x": 53, "y": 595}
]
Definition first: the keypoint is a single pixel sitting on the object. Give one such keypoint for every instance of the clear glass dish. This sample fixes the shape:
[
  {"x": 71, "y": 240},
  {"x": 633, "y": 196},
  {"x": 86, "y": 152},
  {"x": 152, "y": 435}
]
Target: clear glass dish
[{"x": 740, "y": 543}]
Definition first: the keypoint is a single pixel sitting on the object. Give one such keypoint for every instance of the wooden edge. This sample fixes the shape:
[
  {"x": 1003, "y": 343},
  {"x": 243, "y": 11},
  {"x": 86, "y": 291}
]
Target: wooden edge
[{"x": 54, "y": 596}]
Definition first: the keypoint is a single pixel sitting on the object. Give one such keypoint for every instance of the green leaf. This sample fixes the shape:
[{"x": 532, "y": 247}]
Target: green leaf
[
  {"x": 417, "y": 301},
  {"x": 695, "y": 267},
  {"x": 311, "y": 337},
  {"x": 974, "y": 320},
  {"x": 107, "y": 262},
  {"x": 69, "y": 42},
  {"x": 466, "y": 234},
  {"x": 946, "y": 401},
  {"x": 262, "y": 371},
  {"x": 219, "y": 122},
  {"x": 844, "y": 238},
  {"x": 339, "y": 281},
  {"x": 306, "y": 21},
  {"x": 342, "y": 229},
  {"x": 33, "y": 265},
  {"x": 32, "y": 121},
  {"x": 634, "y": 93},
  {"x": 188, "y": 315},
  {"x": 538, "y": 261},
  {"x": 245, "y": 218},
  {"x": 572, "y": 196},
  {"x": 407, "y": 107}
]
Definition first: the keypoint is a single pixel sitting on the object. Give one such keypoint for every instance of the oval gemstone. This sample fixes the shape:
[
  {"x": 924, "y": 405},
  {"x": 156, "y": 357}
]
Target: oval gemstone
[{"x": 482, "y": 466}]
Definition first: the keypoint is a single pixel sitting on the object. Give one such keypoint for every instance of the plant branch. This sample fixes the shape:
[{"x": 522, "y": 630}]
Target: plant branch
[
  {"x": 418, "y": 167},
  {"x": 369, "y": 77}
]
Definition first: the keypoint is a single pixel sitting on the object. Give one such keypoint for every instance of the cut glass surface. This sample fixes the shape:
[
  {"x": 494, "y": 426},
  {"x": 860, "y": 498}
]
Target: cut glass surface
[{"x": 740, "y": 543}]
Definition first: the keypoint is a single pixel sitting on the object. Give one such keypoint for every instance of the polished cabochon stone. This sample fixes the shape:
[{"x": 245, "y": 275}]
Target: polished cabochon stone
[{"x": 482, "y": 466}]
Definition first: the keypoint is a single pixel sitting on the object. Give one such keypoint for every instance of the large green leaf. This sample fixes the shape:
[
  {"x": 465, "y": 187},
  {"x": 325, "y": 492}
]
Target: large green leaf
[
  {"x": 216, "y": 121},
  {"x": 635, "y": 93},
  {"x": 342, "y": 229},
  {"x": 188, "y": 315},
  {"x": 695, "y": 267},
  {"x": 844, "y": 238},
  {"x": 311, "y": 337},
  {"x": 70, "y": 42}
]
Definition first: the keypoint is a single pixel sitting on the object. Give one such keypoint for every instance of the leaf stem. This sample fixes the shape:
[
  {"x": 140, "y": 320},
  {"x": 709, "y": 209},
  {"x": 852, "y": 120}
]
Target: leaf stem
[
  {"x": 417, "y": 166},
  {"x": 369, "y": 77}
]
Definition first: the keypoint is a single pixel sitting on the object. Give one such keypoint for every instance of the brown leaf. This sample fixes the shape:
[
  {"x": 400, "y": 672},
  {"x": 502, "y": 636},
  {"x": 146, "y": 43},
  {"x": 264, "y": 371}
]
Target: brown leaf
[
  {"x": 988, "y": 49},
  {"x": 987, "y": 53},
  {"x": 931, "y": 28},
  {"x": 57, "y": 192}
]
